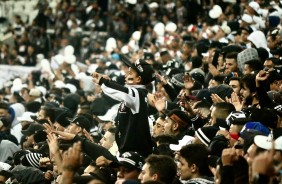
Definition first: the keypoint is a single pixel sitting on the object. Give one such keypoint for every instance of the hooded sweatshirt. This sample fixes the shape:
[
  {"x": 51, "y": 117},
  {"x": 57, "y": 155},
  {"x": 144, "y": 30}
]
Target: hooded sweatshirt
[
  {"x": 16, "y": 110},
  {"x": 258, "y": 39}
]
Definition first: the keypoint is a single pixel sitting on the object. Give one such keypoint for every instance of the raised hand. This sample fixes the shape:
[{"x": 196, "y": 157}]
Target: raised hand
[
  {"x": 215, "y": 98},
  {"x": 213, "y": 70},
  {"x": 72, "y": 158},
  {"x": 160, "y": 102},
  {"x": 53, "y": 143},
  {"x": 161, "y": 78},
  {"x": 261, "y": 76},
  {"x": 228, "y": 156},
  {"x": 48, "y": 128},
  {"x": 64, "y": 135},
  {"x": 101, "y": 161},
  {"x": 87, "y": 134},
  {"x": 235, "y": 100},
  {"x": 183, "y": 102},
  {"x": 97, "y": 76}
]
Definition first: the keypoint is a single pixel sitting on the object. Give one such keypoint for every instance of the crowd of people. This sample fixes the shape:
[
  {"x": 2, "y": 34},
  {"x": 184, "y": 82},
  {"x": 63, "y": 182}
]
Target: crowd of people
[{"x": 153, "y": 92}]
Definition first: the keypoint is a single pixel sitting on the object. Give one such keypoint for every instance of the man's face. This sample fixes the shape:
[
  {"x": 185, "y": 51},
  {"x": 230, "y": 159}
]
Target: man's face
[
  {"x": 271, "y": 43},
  {"x": 132, "y": 78},
  {"x": 268, "y": 64},
  {"x": 127, "y": 174},
  {"x": 29, "y": 140},
  {"x": 168, "y": 127},
  {"x": 107, "y": 140},
  {"x": 247, "y": 69},
  {"x": 107, "y": 125},
  {"x": 158, "y": 128},
  {"x": 186, "y": 49},
  {"x": 235, "y": 85},
  {"x": 244, "y": 35},
  {"x": 41, "y": 114},
  {"x": 145, "y": 174},
  {"x": 231, "y": 65},
  {"x": 245, "y": 93},
  {"x": 184, "y": 169}
]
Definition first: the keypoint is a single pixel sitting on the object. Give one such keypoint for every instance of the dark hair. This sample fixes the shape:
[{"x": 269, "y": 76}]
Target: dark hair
[
  {"x": 223, "y": 109},
  {"x": 249, "y": 81},
  {"x": 235, "y": 78},
  {"x": 219, "y": 78},
  {"x": 4, "y": 105},
  {"x": 166, "y": 139},
  {"x": 197, "y": 154},
  {"x": 49, "y": 112},
  {"x": 163, "y": 149},
  {"x": 162, "y": 165},
  {"x": 189, "y": 43},
  {"x": 274, "y": 60},
  {"x": 231, "y": 55},
  {"x": 254, "y": 64}
]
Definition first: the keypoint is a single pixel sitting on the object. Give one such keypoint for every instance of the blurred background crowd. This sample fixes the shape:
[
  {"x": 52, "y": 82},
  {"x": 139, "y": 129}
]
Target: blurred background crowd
[{"x": 214, "y": 107}]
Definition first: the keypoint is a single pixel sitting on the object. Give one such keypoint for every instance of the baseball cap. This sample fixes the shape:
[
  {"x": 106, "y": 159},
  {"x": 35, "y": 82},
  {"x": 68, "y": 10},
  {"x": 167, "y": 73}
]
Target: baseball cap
[
  {"x": 149, "y": 56},
  {"x": 247, "y": 18},
  {"x": 131, "y": 160},
  {"x": 32, "y": 129},
  {"x": 82, "y": 122},
  {"x": 184, "y": 141},
  {"x": 144, "y": 69},
  {"x": 265, "y": 142},
  {"x": 35, "y": 92}
]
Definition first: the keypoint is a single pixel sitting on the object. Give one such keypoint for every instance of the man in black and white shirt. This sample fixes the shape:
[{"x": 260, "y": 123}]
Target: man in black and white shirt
[{"x": 132, "y": 133}]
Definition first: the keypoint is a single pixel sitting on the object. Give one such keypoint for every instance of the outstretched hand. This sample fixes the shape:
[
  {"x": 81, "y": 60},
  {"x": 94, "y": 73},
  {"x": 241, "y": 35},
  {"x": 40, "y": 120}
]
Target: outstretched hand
[
  {"x": 160, "y": 102},
  {"x": 53, "y": 143},
  {"x": 261, "y": 76},
  {"x": 64, "y": 135},
  {"x": 72, "y": 158},
  {"x": 97, "y": 76}
]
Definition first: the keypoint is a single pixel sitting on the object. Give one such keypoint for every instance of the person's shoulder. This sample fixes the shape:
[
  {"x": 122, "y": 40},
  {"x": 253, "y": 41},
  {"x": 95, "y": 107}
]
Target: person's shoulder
[{"x": 199, "y": 181}]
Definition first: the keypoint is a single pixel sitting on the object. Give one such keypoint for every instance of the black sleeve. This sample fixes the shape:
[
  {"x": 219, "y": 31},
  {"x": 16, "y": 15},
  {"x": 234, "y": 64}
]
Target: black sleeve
[
  {"x": 113, "y": 85},
  {"x": 227, "y": 176},
  {"x": 264, "y": 100},
  {"x": 94, "y": 150},
  {"x": 170, "y": 91}
]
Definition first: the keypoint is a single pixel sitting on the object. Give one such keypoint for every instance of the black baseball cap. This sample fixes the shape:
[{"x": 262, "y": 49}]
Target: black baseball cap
[
  {"x": 143, "y": 69},
  {"x": 82, "y": 122},
  {"x": 32, "y": 129}
]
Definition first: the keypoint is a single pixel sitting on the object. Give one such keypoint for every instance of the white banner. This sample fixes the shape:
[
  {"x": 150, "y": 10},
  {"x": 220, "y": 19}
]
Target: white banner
[{"x": 8, "y": 72}]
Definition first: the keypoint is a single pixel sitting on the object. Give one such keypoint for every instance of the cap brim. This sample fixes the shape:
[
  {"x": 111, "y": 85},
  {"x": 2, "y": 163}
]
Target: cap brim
[
  {"x": 127, "y": 62},
  {"x": 175, "y": 147},
  {"x": 263, "y": 142},
  {"x": 26, "y": 132}
]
